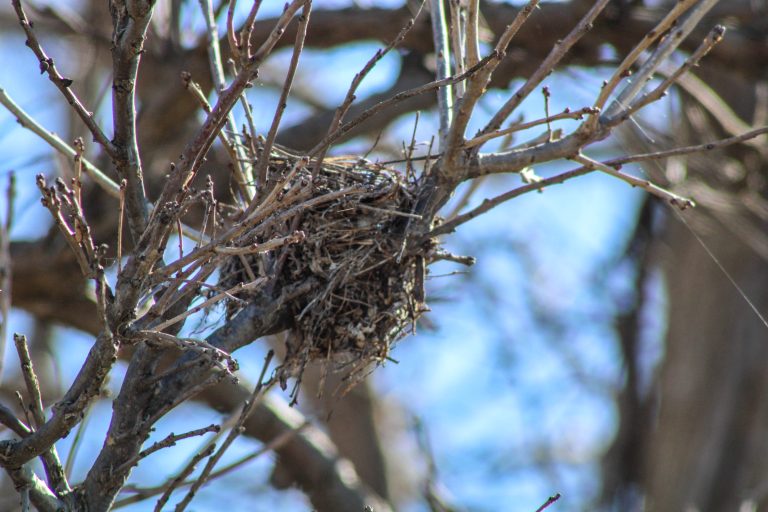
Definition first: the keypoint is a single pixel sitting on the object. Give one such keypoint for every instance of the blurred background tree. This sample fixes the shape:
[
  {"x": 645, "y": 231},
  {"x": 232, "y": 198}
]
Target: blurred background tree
[{"x": 606, "y": 346}]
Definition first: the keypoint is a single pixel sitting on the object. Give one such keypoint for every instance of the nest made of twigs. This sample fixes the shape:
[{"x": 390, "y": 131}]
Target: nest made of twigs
[{"x": 367, "y": 290}]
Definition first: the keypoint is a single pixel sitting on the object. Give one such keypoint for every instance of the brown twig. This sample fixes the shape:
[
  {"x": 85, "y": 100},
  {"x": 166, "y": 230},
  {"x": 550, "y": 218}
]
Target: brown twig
[
  {"x": 258, "y": 391},
  {"x": 231, "y": 139},
  {"x": 659, "y": 55},
  {"x": 488, "y": 204},
  {"x": 130, "y": 21},
  {"x": 549, "y": 502},
  {"x": 431, "y": 86},
  {"x": 545, "y": 68},
  {"x": 623, "y": 70},
  {"x": 675, "y": 200},
  {"x": 266, "y": 149},
  {"x": 714, "y": 37},
  {"x": 350, "y": 97},
  {"x": 5, "y": 264},
  {"x": 179, "y": 479},
  {"x": 478, "y": 83},
  {"x": 170, "y": 440},
  {"x": 63, "y": 84},
  {"x": 565, "y": 114},
  {"x": 53, "y": 140},
  {"x": 10, "y": 420},
  {"x": 686, "y": 150},
  {"x": 213, "y": 300},
  {"x": 51, "y": 462}
]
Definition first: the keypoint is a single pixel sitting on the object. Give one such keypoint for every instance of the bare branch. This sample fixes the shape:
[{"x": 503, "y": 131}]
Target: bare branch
[
  {"x": 263, "y": 163},
  {"x": 651, "y": 36},
  {"x": 6, "y": 265},
  {"x": 545, "y": 68},
  {"x": 51, "y": 462},
  {"x": 662, "y": 52},
  {"x": 443, "y": 68},
  {"x": 130, "y": 21},
  {"x": 63, "y": 84},
  {"x": 258, "y": 392},
  {"x": 675, "y": 200},
  {"x": 714, "y": 37},
  {"x": 56, "y": 143}
]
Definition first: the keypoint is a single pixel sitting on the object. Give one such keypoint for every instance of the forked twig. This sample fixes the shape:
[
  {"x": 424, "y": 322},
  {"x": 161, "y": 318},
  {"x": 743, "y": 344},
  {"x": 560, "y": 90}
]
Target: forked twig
[{"x": 258, "y": 392}]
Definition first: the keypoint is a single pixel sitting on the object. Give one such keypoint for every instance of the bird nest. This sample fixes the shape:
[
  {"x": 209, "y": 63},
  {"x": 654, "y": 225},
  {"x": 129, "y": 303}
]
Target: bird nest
[{"x": 346, "y": 224}]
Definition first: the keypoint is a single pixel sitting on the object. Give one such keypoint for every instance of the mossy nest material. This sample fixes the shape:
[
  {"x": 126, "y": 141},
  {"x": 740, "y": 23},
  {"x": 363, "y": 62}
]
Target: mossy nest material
[{"x": 367, "y": 291}]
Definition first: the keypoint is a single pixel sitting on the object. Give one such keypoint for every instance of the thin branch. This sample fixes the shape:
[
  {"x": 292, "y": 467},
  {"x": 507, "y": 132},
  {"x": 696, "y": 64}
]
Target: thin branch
[
  {"x": 488, "y": 204},
  {"x": 241, "y": 287},
  {"x": 442, "y": 68},
  {"x": 686, "y": 150},
  {"x": 623, "y": 70},
  {"x": 6, "y": 265},
  {"x": 662, "y": 52},
  {"x": 714, "y": 37},
  {"x": 230, "y": 139},
  {"x": 258, "y": 392},
  {"x": 30, "y": 380},
  {"x": 675, "y": 200},
  {"x": 170, "y": 440},
  {"x": 234, "y": 45},
  {"x": 63, "y": 84},
  {"x": 51, "y": 462},
  {"x": 266, "y": 150},
  {"x": 69, "y": 410},
  {"x": 478, "y": 83},
  {"x": 431, "y": 86},
  {"x": 130, "y": 21},
  {"x": 565, "y": 114},
  {"x": 27, "y": 121},
  {"x": 33, "y": 489},
  {"x": 350, "y": 97},
  {"x": 182, "y": 476},
  {"x": 10, "y": 420},
  {"x": 548, "y": 503},
  {"x": 76, "y": 443},
  {"x": 560, "y": 49}
]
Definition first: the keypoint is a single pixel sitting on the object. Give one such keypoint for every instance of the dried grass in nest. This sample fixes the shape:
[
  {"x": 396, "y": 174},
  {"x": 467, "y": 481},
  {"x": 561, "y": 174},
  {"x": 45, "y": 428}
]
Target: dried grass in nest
[{"x": 368, "y": 292}]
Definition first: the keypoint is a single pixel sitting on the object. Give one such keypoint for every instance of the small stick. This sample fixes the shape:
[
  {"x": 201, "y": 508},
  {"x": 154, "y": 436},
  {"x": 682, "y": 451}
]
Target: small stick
[
  {"x": 170, "y": 440},
  {"x": 298, "y": 47},
  {"x": 179, "y": 480},
  {"x": 30, "y": 380},
  {"x": 565, "y": 114},
  {"x": 549, "y": 502},
  {"x": 5, "y": 265},
  {"x": 350, "y": 97},
  {"x": 675, "y": 200},
  {"x": 53, "y": 140},
  {"x": 63, "y": 84},
  {"x": 234, "y": 45},
  {"x": 650, "y": 37},
  {"x": 685, "y": 150},
  {"x": 121, "y": 214},
  {"x": 560, "y": 49},
  {"x": 258, "y": 392},
  {"x": 545, "y": 92},
  {"x": 443, "y": 69},
  {"x": 714, "y": 37},
  {"x": 70, "y": 462},
  {"x": 51, "y": 462},
  {"x": 213, "y": 300}
]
